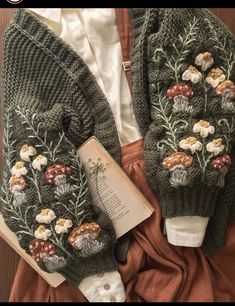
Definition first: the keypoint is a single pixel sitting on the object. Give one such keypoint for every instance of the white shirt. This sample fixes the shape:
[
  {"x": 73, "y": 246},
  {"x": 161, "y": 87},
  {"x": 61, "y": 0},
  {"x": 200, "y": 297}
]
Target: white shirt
[{"x": 93, "y": 34}]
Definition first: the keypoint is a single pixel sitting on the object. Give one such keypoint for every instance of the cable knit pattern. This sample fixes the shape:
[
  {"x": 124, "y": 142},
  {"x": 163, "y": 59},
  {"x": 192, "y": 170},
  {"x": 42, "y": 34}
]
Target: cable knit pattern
[
  {"x": 184, "y": 95},
  {"x": 52, "y": 104}
]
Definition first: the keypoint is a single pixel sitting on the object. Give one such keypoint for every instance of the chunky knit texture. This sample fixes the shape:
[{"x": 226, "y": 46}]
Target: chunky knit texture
[
  {"x": 52, "y": 103},
  {"x": 183, "y": 74}
]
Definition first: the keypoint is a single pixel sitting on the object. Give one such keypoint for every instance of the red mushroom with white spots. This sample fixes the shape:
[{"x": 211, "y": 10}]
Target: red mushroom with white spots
[
  {"x": 177, "y": 164},
  {"x": 40, "y": 248},
  {"x": 180, "y": 93},
  {"x": 57, "y": 175},
  {"x": 222, "y": 165},
  {"x": 226, "y": 90}
]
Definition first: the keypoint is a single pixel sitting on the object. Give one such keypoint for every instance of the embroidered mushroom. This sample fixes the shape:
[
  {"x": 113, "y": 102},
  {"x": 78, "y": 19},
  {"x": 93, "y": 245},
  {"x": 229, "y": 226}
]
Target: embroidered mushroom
[
  {"x": 27, "y": 151},
  {"x": 83, "y": 238},
  {"x": 180, "y": 93},
  {"x": 16, "y": 185},
  {"x": 54, "y": 263},
  {"x": 57, "y": 174},
  {"x": 40, "y": 249},
  {"x": 222, "y": 165},
  {"x": 192, "y": 74},
  {"x": 176, "y": 163},
  {"x": 227, "y": 91}
]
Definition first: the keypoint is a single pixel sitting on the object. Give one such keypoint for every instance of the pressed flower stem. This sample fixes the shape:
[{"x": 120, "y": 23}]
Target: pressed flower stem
[{"x": 97, "y": 189}]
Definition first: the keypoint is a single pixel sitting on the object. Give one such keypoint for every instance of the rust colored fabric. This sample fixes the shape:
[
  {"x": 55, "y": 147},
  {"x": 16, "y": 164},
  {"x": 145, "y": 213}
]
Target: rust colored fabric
[
  {"x": 155, "y": 271},
  {"x": 125, "y": 36}
]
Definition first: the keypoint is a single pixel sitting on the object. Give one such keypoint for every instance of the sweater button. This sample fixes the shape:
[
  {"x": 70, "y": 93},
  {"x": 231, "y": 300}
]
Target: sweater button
[
  {"x": 106, "y": 286},
  {"x": 112, "y": 299}
]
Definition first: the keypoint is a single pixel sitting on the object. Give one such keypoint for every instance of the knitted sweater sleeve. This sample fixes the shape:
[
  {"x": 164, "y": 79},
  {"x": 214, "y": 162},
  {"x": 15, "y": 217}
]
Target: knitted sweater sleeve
[
  {"x": 188, "y": 71},
  {"x": 45, "y": 198}
]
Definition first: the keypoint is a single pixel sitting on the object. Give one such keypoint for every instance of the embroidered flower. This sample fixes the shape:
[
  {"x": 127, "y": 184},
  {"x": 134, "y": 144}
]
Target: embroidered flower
[
  {"x": 39, "y": 161},
  {"x": 180, "y": 93},
  {"x": 215, "y": 77},
  {"x": 27, "y": 151},
  {"x": 215, "y": 146},
  {"x": 221, "y": 165},
  {"x": 46, "y": 216},
  {"x": 204, "y": 128},
  {"x": 176, "y": 163},
  {"x": 57, "y": 174},
  {"x": 19, "y": 169},
  {"x": 40, "y": 249},
  {"x": 204, "y": 60},
  {"x": 192, "y": 74},
  {"x": 83, "y": 238},
  {"x": 42, "y": 233},
  {"x": 63, "y": 225},
  {"x": 190, "y": 143},
  {"x": 16, "y": 183}
]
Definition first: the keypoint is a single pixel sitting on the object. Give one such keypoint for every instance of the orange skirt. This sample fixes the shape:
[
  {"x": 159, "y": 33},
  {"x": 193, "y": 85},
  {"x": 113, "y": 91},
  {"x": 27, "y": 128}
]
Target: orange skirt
[{"x": 155, "y": 271}]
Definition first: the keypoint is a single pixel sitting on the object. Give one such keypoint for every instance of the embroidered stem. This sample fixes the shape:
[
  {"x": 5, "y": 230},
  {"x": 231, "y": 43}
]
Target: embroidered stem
[
  {"x": 230, "y": 130},
  {"x": 57, "y": 242},
  {"x": 34, "y": 180}
]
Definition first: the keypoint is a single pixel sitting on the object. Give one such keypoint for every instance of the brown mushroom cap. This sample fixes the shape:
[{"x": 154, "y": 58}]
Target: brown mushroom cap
[
  {"x": 53, "y": 171},
  {"x": 15, "y": 180},
  {"x": 179, "y": 89},
  {"x": 227, "y": 84},
  {"x": 221, "y": 162},
  {"x": 40, "y": 248},
  {"x": 177, "y": 159},
  {"x": 84, "y": 228}
]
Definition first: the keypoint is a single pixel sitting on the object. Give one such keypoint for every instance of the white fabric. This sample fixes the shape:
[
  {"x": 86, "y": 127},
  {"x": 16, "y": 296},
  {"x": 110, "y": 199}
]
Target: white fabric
[
  {"x": 187, "y": 231},
  {"x": 107, "y": 287},
  {"x": 93, "y": 34}
]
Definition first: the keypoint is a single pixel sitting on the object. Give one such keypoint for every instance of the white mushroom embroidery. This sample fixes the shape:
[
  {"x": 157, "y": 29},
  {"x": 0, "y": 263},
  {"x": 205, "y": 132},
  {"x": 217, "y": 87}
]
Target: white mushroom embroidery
[
  {"x": 204, "y": 128},
  {"x": 63, "y": 225},
  {"x": 190, "y": 143},
  {"x": 46, "y": 216},
  {"x": 215, "y": 77},
  {"x": 215, "y": 146},
  {"x": 16, "y": 186},
  {"x": 42, "y": 233},
  {"x": 27, "y": 151},
  {"x": 204, "y": 60},
  {"x": 192, "y": 74},
  {"x": 38, "y": 162},
  {"x": 19, "y": 169},
  {"x": 54, "y": 263}
]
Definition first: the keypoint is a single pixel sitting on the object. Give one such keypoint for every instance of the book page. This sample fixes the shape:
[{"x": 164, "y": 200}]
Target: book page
[{"x": 111, "y": 189}]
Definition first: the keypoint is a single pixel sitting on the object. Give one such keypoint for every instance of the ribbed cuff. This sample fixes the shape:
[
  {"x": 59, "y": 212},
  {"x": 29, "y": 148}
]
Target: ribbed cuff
[
  {"x": 184, "y": 201},
  {"x": 77, "y": 270}
]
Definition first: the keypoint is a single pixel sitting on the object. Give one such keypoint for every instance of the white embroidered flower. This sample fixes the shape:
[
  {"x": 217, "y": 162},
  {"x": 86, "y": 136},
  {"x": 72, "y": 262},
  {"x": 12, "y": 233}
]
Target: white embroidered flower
[
  {"x": 46, "y": 216},
  {"x": 27, "y": 151},
  {"x": 191, "y": 143},
  {"x": 192, "y": 74},
  {"x": 204, "y": 128},
  {"x": 39, "y": 161},
  {"x": 215, "y": 77},
  {"x": 215, "y": 146},
  {"x": 19, "y": 169},
  {"x": 204, "y": 60},
  {"x": 63, "y": 225},
  {"x": 42, "y": 233}
]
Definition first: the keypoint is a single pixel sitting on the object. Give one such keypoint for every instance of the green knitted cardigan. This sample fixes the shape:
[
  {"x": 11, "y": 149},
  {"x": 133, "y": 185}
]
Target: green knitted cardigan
[
  {"x": 183, "y": 69},
  {"x": 52, "y": 103}
]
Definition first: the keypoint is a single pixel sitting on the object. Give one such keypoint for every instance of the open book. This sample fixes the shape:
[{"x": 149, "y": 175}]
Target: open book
[{"x": 111, "y": 190}]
